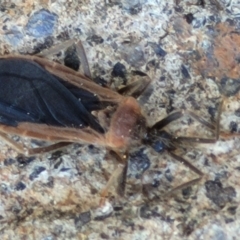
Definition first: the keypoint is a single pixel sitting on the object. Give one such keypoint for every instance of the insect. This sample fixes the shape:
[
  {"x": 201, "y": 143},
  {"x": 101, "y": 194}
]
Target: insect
[{"x": 48, "y": 101}]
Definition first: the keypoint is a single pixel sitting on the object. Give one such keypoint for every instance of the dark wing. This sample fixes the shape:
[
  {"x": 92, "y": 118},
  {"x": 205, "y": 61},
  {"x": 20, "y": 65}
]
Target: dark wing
[
  {"x": 28, "y": 93},
  {"x": 88, "y": 99}
]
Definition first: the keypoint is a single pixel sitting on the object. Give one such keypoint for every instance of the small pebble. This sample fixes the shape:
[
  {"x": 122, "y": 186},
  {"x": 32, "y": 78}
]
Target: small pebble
[{"x": 41, "y": 24}]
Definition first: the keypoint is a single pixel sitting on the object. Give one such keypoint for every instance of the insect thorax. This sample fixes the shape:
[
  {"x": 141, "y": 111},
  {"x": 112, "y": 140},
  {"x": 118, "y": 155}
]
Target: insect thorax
[{"x": 127, "y": 125}]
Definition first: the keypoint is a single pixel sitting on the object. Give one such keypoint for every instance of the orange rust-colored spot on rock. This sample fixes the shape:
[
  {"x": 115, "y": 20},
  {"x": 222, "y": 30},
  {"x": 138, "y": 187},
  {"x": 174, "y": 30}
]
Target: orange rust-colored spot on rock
[
  {"x": 227, "y": 52},
  {"x": 211, "y": 51},
  {"x": 223, "y": 57}
]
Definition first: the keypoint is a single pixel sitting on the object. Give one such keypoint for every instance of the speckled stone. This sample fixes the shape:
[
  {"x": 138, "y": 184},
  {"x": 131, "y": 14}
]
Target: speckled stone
[{"x": 191, "y": 53}]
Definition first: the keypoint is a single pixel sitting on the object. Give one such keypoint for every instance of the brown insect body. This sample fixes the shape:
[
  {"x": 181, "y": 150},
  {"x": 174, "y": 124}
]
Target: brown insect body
[
  {"x": 119, "y": 129},
  {"x": 127, "y": 125},
  {"x": 125, "y": 122}
]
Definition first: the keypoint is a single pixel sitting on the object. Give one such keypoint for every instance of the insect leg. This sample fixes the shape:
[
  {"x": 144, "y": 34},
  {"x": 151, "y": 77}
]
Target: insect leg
[
  {"x": 50, "y": 148},
  {"x": 178, "y": 114},
  {"x": 18, "y": 147},
  {"x": 118, "y": 176},
  {"x": 190, "y": 166},
  {"x": 112, "y": 180},
  {"x": 84, "y": 62},
  {"x": 214, "y": 128},
  {"x": 31, "y": 151},
  {"x": 80, "y": 51},
  {"x": 136, "y": 88},
  {"x": 55, "y": 49}
]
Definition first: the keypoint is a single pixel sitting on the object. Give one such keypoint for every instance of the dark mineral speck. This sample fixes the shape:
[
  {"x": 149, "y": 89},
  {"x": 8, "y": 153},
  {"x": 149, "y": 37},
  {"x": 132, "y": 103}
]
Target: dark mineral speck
[
  {"x": 50, "y": 182},
  {"x": 82, "y": 219},
  {"x": 37, "y": 170},
  {"x": 23, "y": 161},
  {"x": 71, "y": 58},
  {"x": 237, "y": 59},
  {"x": 58, "y": 163},
  {"x": 230, "y": 21},
  {"x": 219, "y": 195},
  {"x": 151, "y": 65},
  {"x": 9, "y": 161},
  {"x": 20, "y": 186},
  {"x": 104, "y": 236},
  {"x": 157, "y": 139},
  {"x": 158, "y": 49},
  {"x": 16, "y": 209},
  {"x": 100, "y": 81},
  {"x": 229, "y": 220},
  {"x": 189, "y": 18},
  {"x": 212, "y": 112},
  {"x": 168, "y": 175},
  {"x": 48, "y": 42},
  {"x": 64, "y": 169},
  {"x": 189, "y": 227},
  {"x": 186, "y": 192},
  {"x": 201, "y": 3},
  {"x": 55, "y": 155},
  {"x": 232, "y": 210},
  {"x": 156, "y": 178},
  {"x": 138, "y": 163},
  {"x": 229, "y": 87},
  {"x": 118, "y": 208},
  {"x": 197, "y": 23},
  {"x": 93, "y": 149},
  {"x": 178, "y": 9},
  {"x": 95, "y": 39},
  {"x": 2, "y": 8},
  {"x": 185, "y": 72},
  {"x": 233, "y": 127},
  {"x": 119, "y": 70},
  {"x": 145, "y": 212},
  {"x": 135, "y": 9},
  {"x": 162, "y": 79}
]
